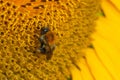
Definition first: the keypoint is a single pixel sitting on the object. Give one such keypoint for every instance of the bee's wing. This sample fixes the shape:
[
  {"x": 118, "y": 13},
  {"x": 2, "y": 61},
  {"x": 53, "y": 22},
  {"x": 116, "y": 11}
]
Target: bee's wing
[
  {"x": 49, "y": 52},
  {"x": 49, "y": 56}
]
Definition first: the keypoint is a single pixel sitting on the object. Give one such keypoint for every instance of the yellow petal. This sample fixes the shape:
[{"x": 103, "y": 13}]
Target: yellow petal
[
  {"x": 108, "y": 55},
  {"x": 110, "y": 31},
  {"x": 85, "y": 71},
  {"x": 110, "y": 10},
  {"x": 76, "y": 75},
  {"x": 98, "y": 69},
  {"x": 116, "y": 2},
  {"x": 108, "y": 28}
]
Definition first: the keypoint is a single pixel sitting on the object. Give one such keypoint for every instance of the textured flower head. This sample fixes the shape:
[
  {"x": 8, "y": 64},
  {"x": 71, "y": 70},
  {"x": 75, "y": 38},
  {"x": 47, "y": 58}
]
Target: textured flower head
[{"x": 22, "y": 44}]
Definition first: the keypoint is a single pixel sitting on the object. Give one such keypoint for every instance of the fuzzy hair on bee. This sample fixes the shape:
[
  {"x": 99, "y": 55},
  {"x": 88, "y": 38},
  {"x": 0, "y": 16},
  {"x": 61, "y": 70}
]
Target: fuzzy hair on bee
[{"x": 47, "y": 42}]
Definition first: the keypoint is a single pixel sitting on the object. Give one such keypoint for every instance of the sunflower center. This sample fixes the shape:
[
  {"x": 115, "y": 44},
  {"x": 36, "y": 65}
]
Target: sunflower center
[{"x": 68, "y": 28}]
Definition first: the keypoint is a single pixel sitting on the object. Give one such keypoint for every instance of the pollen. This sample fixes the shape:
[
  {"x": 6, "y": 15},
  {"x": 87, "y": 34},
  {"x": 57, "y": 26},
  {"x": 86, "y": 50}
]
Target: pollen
[{"x": 72, "y": 21}]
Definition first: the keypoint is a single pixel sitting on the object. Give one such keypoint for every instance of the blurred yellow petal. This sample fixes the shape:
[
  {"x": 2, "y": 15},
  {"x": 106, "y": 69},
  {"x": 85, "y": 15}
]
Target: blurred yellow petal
[
  {"x": 109, "y": 28},
  {"x": 111, "y": 11},
  {"x": 116, "y": 2},
  {"x": 108, "y": 32},
  {"x": 76, "y": 75},
  {"x": 102, "y": 61},
  {"x": 85, "y": 71},
  {"x": 108, "y": 55},
  {"x": 97, "y": 68}
]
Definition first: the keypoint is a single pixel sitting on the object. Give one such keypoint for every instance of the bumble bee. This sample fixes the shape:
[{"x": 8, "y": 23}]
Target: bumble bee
[{"x": 47, "y": 42}]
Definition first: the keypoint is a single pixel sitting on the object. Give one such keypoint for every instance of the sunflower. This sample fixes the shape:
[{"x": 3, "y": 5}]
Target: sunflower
[
  {"x": 58, "y": 40},
  {"x": 102, "y": 58}
]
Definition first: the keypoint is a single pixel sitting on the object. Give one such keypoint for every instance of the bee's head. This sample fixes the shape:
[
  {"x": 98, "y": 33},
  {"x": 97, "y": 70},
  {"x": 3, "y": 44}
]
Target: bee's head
[{"x": 44, "y": 30}]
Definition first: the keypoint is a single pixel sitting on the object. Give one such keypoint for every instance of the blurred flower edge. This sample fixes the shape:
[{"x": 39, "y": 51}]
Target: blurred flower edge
[{"x": 102, "y": 59}]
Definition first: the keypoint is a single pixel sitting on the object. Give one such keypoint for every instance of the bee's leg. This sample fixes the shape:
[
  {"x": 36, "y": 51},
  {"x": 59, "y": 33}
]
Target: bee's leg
[
  {"x": 41, "y": 39},
  {"x": 46, "y": 52},
  {"x": 43, "y": 49}
]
